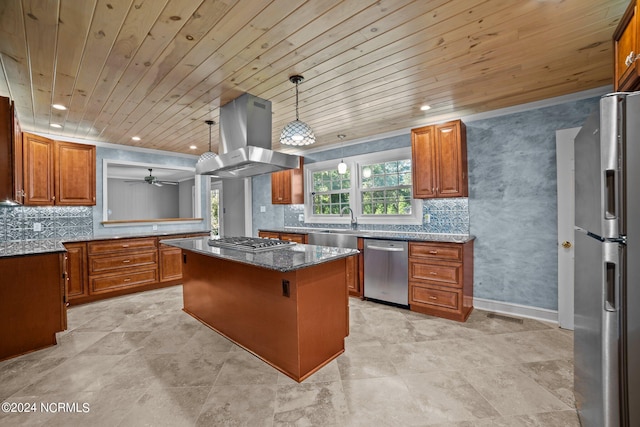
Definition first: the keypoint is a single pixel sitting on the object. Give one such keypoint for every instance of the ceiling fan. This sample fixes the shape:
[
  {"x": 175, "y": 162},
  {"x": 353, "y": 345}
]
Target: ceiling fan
[{"x": 153, "y": 180}]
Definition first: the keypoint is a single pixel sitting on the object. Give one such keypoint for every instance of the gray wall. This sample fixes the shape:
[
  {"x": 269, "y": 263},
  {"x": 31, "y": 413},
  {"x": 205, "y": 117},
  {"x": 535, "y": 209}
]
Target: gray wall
[
  {"x": 513, "y": 202},
  {"x": 139, "y": 200},
  {"x": 234, "y": 208},
  {"x": 512, "y": 206},
  {"x": 186, "y": 198}
]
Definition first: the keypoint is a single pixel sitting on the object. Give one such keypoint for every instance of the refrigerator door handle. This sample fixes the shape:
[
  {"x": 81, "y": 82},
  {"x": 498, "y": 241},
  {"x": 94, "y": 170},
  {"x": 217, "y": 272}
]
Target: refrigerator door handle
[{"x": 610, "y": 286}]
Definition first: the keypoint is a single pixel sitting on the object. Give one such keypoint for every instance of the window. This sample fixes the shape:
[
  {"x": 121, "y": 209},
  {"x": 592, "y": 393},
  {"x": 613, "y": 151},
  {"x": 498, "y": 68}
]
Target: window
[
  {"x": 331, "y": 191},
  {"x": 385, "y": 188},
  {"x": 377, "y": 186}
]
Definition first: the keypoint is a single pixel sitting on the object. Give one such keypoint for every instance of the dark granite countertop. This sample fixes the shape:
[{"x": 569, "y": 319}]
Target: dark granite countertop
[
  {"x": 31, "y": 247},
  {"x": 380, "y": 234},
  {"x": 289, "y": 258}
]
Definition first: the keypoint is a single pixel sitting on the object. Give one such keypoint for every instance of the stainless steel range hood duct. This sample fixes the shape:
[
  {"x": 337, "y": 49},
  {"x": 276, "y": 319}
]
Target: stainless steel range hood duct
[{"x": 245, "y": 142}]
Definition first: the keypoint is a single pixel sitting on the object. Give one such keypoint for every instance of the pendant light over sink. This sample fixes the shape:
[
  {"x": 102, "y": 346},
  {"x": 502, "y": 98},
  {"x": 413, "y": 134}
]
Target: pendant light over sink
[
  {"x": 297, "y": 132},
  {"x": 342, "y": 166},
  {"x": 209, "y": 154}
]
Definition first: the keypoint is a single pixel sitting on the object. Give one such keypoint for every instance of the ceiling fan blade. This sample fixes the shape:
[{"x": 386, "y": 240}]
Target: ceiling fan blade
[
  {"x": 168, "y": 182},
  {"x": 157, "y": 184}
]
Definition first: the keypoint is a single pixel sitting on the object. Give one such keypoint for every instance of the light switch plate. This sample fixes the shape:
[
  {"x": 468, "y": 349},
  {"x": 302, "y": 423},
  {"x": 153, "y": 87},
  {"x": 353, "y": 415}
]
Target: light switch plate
[
  {"x": 427, "y": 218},
  {"x": 263, "y": 209},
  {"x": 37, "y": 226},
  {"x": 154, "y": 227},
  {"x": 300, "y": 217}
]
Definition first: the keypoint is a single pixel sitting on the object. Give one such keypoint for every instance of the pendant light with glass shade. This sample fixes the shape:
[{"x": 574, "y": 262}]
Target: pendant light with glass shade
[
  {"x": 342, "y": 166},
  {"x": 209, "y": 154},
  {"x": 297, "y": 132}
]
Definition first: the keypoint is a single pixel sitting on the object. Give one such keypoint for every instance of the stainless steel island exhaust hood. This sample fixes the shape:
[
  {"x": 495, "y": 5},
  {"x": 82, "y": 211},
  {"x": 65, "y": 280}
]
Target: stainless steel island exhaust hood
[{"x": 245, "y": 142}]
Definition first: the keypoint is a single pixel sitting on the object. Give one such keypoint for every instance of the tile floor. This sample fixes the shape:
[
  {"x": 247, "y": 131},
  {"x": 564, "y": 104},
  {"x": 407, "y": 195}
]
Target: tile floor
[{"x": 139, "y": 360}]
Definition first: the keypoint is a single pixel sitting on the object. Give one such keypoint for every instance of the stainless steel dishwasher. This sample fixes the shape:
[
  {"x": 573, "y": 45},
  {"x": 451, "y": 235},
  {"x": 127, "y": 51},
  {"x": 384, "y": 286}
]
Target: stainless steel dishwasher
[{"x": 386, "y": 271}]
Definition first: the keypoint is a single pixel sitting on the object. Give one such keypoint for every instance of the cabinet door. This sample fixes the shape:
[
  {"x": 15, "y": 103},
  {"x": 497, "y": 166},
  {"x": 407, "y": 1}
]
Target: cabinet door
[
  {"x": 38, "y": 170},
  {"x": 423, "y": 162},
  {"x": 451, "y": 146},
  {"x": 352, "y": 275},
  {"x": 170, "y": 264},
  {"x": 287, "y": 187},
  {"x": 281, "y": 188},
  {"x": 626, "y": 51},
  {"x": 294, "y": 237},
  {"x": 77, "y": 276},
  {"x": 75, "y": 174}
]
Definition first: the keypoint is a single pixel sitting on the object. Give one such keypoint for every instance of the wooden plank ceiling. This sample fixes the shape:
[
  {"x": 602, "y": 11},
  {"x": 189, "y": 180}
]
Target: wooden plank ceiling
[{"x": 158, "y": 69}]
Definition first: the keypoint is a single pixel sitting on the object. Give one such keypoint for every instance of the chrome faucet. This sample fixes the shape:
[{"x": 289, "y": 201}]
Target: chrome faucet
[{"x": 354, "y": 221}]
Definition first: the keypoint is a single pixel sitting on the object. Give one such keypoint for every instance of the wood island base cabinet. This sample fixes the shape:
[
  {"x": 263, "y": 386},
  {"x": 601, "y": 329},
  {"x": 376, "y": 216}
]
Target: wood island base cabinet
[
  {"x": 32, "y": 305},
  {"x": 441, "y": 279},
  {"x": 295, "y": 321}
]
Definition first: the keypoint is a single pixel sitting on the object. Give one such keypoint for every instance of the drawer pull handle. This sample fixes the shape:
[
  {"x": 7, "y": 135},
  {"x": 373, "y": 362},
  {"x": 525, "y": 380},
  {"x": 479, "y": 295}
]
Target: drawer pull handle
[
  {"x": 433, "y": 252},
  {"x": 433, "y": 298},
  {"x": 433, "y": 273},
  {"x": 126, "y": 261},
  {"x": 127, "y": 280},
  {"x": 125, "y": 246}
]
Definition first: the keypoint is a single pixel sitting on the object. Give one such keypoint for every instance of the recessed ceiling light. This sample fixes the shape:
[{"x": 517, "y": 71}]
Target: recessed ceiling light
[
  {"x": 193, "y": 147},
  {"x": 59, "y": 107},
  {"x": 425, "y": 107},
  {"x": 55, "y": 125},
  {"x": 135, "y": 138}
]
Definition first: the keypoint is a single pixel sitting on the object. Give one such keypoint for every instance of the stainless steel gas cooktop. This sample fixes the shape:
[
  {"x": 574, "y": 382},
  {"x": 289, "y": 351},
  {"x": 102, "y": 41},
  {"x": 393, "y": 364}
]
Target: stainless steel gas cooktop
[{"x": 249, "y": 244}]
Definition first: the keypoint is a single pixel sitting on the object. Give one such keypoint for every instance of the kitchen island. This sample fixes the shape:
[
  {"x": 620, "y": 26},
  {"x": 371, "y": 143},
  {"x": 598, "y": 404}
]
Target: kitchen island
[{"x": 288, "y": 305}]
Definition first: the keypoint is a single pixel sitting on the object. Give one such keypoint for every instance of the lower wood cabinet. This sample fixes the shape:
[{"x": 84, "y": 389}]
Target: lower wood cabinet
[
  {"x": 104, "y": 268},
  {"x": 32, "y": 305},
  {"x": 441, "y": 279},
  {"x": 289, "y": 237},
  {"x": 77, "y": 271}
]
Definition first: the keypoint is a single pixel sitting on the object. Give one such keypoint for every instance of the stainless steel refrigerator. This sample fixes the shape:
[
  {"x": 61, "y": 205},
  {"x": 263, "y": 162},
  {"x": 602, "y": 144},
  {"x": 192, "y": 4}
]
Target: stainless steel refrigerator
[{"x": 607, "y": 264}]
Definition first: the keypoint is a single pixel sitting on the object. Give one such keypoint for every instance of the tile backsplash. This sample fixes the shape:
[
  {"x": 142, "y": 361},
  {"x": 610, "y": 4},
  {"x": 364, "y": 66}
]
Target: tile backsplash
[
  {"x": 23, "y": 223},
  {"x": 447, "y": 216}
]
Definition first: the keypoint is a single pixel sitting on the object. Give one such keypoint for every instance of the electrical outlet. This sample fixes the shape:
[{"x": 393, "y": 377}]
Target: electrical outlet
[
  {"x": 300, "y": 217},
  {"x": 37, "y": 226},
  {"x": 154, "y": 227},
  {"x": 263, "y": 209},
  {"x": 427, "y": 218}
]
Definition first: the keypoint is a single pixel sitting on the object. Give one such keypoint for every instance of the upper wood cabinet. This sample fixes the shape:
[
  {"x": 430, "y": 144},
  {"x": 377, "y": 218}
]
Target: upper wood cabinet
[
  {"x": 58, "y": 173},
  {"x": 439, "y": 160},
  {"x": 10, "y": 154},
  {"x": 626, "y": 55},
  {"x": 38, "y": 170},
  {"x": 287, "y": 187},
  {"x": 75, "y": 174}
]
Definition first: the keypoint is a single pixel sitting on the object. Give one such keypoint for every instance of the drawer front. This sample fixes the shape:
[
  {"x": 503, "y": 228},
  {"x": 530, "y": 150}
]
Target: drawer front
[
  {"x": 435, "y": 297},
  {"x": 119, "y": 245},
  {"x": 445, "y": 274},
  {"x": 268, "y": 235},
  {"x": 108, "y": 283},
  {"x": 103, "y": 264},
  {"x": 298, "y": 238},
  {"x": 451, "y": 252}
]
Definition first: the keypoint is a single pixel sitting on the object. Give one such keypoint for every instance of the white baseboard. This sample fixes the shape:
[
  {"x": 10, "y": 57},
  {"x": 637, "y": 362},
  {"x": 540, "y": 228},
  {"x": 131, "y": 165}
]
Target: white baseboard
[{"x": 519, "y": 310}]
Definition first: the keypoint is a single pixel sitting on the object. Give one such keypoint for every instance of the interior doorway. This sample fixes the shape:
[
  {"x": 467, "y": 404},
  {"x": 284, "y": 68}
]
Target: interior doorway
[
  {"x": 215, "y": 209},
  {"x": 566, "y": 221}
]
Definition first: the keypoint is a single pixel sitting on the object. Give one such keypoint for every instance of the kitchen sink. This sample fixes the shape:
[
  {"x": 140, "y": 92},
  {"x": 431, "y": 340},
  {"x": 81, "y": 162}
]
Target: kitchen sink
[{"x": 335, "y": 238}]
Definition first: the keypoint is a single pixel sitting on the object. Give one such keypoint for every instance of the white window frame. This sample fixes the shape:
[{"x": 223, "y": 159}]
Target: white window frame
[{"x": 354, "y": 163}]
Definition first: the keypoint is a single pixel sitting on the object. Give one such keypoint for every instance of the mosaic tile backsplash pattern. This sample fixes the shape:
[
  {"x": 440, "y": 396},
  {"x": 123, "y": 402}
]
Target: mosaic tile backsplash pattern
[
  {"x": 447, "y": 216},
  {"x": 69, "y": 222}
]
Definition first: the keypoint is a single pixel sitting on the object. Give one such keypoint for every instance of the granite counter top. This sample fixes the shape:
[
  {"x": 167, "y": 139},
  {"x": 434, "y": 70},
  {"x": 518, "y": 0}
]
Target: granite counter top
[
  {"x": 31, "y": 247},
  {"x": 380, "y": 234},
  {"x": 288, "y": 258}
]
